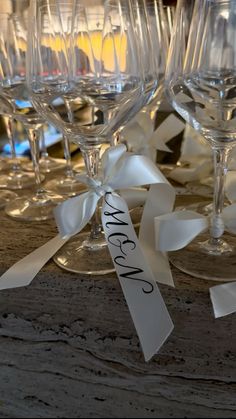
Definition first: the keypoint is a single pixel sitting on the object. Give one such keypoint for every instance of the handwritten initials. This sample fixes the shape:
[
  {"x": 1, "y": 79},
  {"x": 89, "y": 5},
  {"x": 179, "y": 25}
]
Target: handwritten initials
[{"x": 125, "y": 245}]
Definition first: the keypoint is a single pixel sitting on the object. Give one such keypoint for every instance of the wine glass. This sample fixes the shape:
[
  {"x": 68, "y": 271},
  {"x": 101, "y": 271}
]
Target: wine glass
[
  {"x": 157, "y": 42},
  {"x": 16, "y": 178},
  {"x": 5, "y": 195},
  {"x": 200, "y": 81},
  {"x": 36, "y": 206},
  {"x": 169, "y": 10},
  {"x": 67, "y": 183},
  {"x": 85, "y": 80},
  {"x": 158, "y": 30},
  {"x": 47, "y": 164}
]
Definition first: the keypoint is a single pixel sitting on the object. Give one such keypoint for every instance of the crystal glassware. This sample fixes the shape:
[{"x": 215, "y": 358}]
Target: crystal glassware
[
  {"x": 37, "y": 206},
  {"x": 16, "y": 178},
  {"x": 6, "y": 197},
  {"x": 9, "y": 180},
  {"x": 84, "y": 76},
  {"x": 200, "y": 81},
  {"x": 47, "y": 164},
  {"x": 67, "y": 183},
  {"x": 153, "y": 31}
]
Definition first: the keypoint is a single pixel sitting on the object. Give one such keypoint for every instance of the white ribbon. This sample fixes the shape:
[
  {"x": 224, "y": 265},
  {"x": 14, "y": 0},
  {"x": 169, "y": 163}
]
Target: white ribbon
[
  {"x": 198, "y": 169},
  {"x": 223, "y": 298},
  {"x": 123, "y": 170},
  {"x": 23, "y": 272},
  {"x": 194, "y": 146},
  {"x": 141, "y": 139},
  {"x": 175, "y": 230},
  {"x": 195, "y": 158},
  {"x": 168, "y": 129},
  {"x": 185, "y": 226},
  {"x": 120, "y": 170}
]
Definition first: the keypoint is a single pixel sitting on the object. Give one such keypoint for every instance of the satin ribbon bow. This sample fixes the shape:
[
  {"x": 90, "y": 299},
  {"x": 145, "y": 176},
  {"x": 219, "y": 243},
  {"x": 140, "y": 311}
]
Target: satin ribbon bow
[
  {"x": 119, "y": 170},
  {"x": 122, "y": 170},
  {"x": 175, "y": 230},
  {"x": 141, "y": 138}
]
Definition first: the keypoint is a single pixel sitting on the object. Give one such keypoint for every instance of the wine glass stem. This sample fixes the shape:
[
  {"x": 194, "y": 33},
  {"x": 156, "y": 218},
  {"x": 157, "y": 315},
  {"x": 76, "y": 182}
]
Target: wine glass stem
[
  {"x": 34, "y": 139},
  {"x": 44, "y": 153},
  {"x": 67, "y": 155},
  {"x": 9, "y": 125},
  {"x": 91, "y": 156},
  {"x": 220, "y": 155}
]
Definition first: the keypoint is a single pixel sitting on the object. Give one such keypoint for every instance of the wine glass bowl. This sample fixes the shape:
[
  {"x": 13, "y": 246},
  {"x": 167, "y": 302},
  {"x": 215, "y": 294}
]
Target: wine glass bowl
[
  {"x": 200, "y": 82},
  {"x": 84, "y": 76},
  {"x": 91, "y": 95},
  {"x": 13, "y": 89}
]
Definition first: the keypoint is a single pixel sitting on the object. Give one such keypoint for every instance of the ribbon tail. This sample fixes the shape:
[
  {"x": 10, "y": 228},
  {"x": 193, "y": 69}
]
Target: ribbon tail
[
  {"x": 192, "y": 173},
  {"x": 158, "y": 260},
  {"x": 23, "y": 272},
  {"x": 161, "y": 146},
  {"x": 168, "y": 129},
  {"x": 160, "y": 265},
  {"x": 146, "y": 305},
  {"x": 223, "y": 298}
]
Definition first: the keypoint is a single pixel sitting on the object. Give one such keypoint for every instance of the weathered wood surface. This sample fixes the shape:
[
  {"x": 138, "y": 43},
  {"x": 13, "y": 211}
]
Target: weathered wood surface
[{"x": 68, "y": 347}]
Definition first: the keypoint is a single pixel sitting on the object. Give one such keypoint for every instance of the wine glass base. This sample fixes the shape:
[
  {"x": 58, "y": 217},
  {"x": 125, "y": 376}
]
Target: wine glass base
[
  {"x": 33, "y": 208},
  {"x": 17, "y": 181},
  {"x": 197, "y": 259},
  {"x": 47, "y": 165},
  {"x": 69, "y": 186},
  {"x": 6, "y": 163},
  {"x": 3, "y": 165},
  {"x": 201, "y": 207},
  {"x": 6, "y": 197},
  {"x": 75, "y": 256}
]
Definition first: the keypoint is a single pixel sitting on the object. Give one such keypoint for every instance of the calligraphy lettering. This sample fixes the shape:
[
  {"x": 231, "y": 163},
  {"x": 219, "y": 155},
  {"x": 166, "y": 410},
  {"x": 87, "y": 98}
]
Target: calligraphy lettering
[
  {"x": 126, "y": 246},
  {"x": 134, "y": 271},
  {"x": 116, "y": 221},
  {"x": 121, "y": 244}
]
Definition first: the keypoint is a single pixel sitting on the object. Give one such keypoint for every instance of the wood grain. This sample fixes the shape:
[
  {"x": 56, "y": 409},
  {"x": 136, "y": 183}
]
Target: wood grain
[{"x": 68, "y": 347}]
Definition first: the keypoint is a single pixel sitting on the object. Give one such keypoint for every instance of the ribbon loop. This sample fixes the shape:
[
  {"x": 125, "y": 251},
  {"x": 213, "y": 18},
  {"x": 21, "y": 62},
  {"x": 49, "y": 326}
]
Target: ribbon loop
[
  {"x": 176, "y": 230},
  {"x": 141, "y": 137}
]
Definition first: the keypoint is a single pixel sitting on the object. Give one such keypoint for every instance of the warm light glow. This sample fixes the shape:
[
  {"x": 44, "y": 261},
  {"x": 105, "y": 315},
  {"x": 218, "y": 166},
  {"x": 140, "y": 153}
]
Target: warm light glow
[
  {"x": 21, "y": 44},
  {"x": 110, "y": 49}
]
